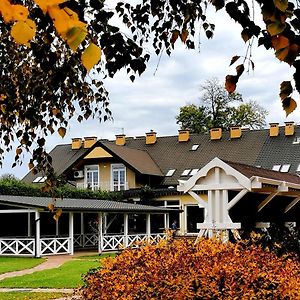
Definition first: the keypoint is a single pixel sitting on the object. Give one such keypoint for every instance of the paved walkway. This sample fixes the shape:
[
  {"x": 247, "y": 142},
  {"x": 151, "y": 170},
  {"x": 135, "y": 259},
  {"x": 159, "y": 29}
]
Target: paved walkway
[{"x": 50, "y": 263}]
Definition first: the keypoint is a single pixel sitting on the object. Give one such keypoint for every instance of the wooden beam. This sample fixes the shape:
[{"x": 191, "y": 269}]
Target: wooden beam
[
  {"x": 16, "y": 211},
  {"x": 237, "y": 198},
  {"x": 291, "y": 205},
  {"x": 266, "y": 201},
  {"x": 262, "y": 225},
  {"x": 219, "y": 226},
  {"x": 199, "y": 199}
]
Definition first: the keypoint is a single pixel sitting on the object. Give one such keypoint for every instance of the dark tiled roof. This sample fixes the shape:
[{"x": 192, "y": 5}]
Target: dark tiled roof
[
  {"x": 82, "y": 204},
  {"x": 63, "y": 157},
  {"x": 250, "y": 171},
  {"x": 255, "y": 148},
  {"x": 140, "y": 160}
]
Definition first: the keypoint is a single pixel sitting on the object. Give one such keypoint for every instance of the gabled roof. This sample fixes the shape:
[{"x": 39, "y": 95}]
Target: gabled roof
[
  {"x": 251, "y": 171},
  {"x": 254, "y": 147},
  {"x": 82, "y": 204},
  {"x": 140, "y": 160},
  {"x": 63, "y": 158}
]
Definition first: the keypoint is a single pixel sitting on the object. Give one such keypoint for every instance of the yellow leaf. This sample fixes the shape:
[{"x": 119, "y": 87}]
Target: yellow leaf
[
  {"x": 20, "y": 12},
  {"x": 62, "y": 131},
  {"x": 75, "y": 36},
  {"x": 23, "y": 31},
  {"x": 289, "y": 105},
  {"x": 51, "y": 207},
  {"x": 281, "y": 4},
  {"x": 91, "y": 56},
  {"x": 275, "y": 28},
  {"x": 45, "y": 4},
  {"x": 6, "y": 11}
]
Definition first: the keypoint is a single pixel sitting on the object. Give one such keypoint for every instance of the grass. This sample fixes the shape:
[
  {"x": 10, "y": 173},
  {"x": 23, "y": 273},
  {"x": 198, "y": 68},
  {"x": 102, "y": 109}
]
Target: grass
[
  {"x": 9, "y": 264},
  {"x": 97, "y": 256},
  {"x": 30, "y": 296},
  {"x": 66, "y": 276}
]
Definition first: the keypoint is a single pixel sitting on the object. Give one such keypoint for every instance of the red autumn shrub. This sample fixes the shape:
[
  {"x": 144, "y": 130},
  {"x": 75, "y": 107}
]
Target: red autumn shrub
[{"x": 182, "y": 270}]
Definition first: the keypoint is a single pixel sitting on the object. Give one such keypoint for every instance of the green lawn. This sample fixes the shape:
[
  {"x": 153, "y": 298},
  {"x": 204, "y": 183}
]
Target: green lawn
[
  {"x": 30, "y": 296},
  {"x": 97, "y": 256},
  {"x": 66, "y": 276},
  {"x": 9, "y": 264}
]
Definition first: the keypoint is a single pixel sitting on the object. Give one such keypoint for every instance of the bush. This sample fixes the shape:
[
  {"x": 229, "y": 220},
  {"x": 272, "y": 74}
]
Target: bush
[{"x": 182, "y": 270}]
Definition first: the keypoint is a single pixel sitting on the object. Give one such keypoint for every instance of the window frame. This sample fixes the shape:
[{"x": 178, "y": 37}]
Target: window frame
[
  {"x": 93, "y": 187},
  {"x": 118, "y": 167}
]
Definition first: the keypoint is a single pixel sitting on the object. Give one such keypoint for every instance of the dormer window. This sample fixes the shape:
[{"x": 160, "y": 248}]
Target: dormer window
[
  {"x": 185, "y": 172},
  {"x": 276, "y": 167},
  {"x": 285, "y": 168},
  {"x": 195, "y": 147},
  {"x": 170, "y": 172}
]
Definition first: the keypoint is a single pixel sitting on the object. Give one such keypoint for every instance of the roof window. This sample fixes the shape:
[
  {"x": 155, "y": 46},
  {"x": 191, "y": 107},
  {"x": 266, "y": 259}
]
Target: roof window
[
  {"x": 195, "y": 147},
  {"x": 298, "y": 168},
  {"x": 194, "y": 171},
  {"x": 285, "y": 168},
  {"x": 170, "y": 172},
  {"x": 186, "y": 172},
  {"x": 39, "y": 179},
  {"x": 276, "y": 167},
  {"x": 296, "y": 141}
]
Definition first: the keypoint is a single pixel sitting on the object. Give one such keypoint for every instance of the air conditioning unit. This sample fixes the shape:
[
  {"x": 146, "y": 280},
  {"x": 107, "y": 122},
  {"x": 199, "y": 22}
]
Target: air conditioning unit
[{"x": 78, "y": 174}]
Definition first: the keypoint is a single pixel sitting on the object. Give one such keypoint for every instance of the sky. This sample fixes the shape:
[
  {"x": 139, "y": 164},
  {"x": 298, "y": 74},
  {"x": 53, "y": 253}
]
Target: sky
[{"x": 153, "y": 101}]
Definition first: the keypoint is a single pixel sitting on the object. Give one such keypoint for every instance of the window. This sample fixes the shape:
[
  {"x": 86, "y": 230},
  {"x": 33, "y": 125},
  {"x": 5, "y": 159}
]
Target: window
[
  {"x": 276, "y": 167},
  {"x": 194, "y": 171},
  {"x": 296, "y": 141},
  {"x": 285, "y": 168},
  {"x": 185, "y": 172},
  {"x": 118, "y": 177},
  {"x": 298, "y": 168},
  {"x": 195, "y": 147},
  {"x": 170, "y": 172},
  {"x": 92, "y": 177},
  {"x": 39, "y": 179}
]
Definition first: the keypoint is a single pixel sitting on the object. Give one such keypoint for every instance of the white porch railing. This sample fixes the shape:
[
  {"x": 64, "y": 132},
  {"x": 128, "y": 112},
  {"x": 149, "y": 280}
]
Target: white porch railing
[
  {"x": 116, "y": 242},
  {"x": 17, "y": 246},
  {"x": 85, "y": 240},
  {"x": 54, "y": 245}
]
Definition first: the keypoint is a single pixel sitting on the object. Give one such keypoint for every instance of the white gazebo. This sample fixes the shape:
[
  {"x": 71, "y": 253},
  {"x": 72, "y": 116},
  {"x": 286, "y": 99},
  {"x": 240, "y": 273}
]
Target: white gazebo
[
  {"x": 235, "y": 194},
  {"x": 28, "y": 229}
]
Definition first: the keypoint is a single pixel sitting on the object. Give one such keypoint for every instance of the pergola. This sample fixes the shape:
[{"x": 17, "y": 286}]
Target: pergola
[
  {"x": 237, "y": 196},
  {"x": 21, "y": 231}
]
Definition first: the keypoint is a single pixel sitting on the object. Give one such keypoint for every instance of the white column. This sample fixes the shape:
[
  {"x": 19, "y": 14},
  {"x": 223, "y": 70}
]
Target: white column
[
  {"x": 148, "y": 225},
  {"x": 125, "y": 230},
  {"x": 82, "y": 229},
  {"x": 167, "y": 221},
  {"x": 225, "y": 206},
  {"x": 71, "y": 233},
  {"x": 28, "y": 225},
  {"x": 100, "y": 232},
  {"x": 105, "y": 223},
  {"x": 57, "y": 228},
  {"x": 37, "y": 234}
]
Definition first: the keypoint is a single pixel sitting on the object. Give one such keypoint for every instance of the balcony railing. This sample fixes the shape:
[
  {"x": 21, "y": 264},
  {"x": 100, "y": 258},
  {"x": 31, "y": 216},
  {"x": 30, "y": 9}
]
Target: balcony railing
[{"x": 104, "y": 186}]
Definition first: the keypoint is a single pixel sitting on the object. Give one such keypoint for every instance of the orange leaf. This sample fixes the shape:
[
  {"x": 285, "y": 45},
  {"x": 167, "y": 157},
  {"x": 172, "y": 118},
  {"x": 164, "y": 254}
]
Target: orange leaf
[
  {"x": 282, "y": 53},
  {"x": 183, "y": 36},
  {"x": 289, "y": 105},
  {"x": 239, "y": 70},
  {"x": 62, "y": 131},
  {"x": 23, "y": 31},
  {"x": 234, "y": 59},
  {"x": 174, "y": 36},
  {"x": 230, "y": 83},
  {"x": 280, "y": 42},
  {"x": 285, "y": 89}
]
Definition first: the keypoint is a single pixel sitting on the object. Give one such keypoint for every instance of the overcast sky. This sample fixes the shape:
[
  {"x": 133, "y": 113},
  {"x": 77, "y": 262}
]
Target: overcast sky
[{"x": 152, "y": 102}]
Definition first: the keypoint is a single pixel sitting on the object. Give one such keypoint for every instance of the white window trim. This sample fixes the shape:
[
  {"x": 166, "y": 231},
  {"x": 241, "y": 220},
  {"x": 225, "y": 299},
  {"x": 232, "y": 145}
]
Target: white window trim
[
  {"x": 85, "y": 174},
  {"x": 112, "y": 166}
]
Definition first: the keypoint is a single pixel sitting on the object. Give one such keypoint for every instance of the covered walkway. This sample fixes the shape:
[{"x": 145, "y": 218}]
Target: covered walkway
[{"x": 28, "y": 228}]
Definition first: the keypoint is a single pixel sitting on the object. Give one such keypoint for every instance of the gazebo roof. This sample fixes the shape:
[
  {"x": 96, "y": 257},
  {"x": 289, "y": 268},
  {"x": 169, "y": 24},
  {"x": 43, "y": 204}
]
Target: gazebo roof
[{"x": 82, "y": 205}]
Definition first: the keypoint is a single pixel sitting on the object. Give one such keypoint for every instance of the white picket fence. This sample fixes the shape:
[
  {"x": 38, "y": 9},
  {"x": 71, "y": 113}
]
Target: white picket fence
[
  {"x": 62, "y": 245},
  {"x": 17, "y": 246},
  {"x": 116, "y": 242}
]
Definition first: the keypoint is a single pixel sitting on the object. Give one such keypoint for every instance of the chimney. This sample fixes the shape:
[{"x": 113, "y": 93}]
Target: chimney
[
  {"x": 183, "y": 135},
  {"x": 289, "y": 128},
  {"x": 120, "y": 139},
  {"x": 274, "y": 129},
  {"x": 150, "y": 137},
  {"x": 235, "y": 132},
  {"x": 215, "y": 133},
  {"x": 76, "y": 143},
  {"x": 89, "y": 142}
]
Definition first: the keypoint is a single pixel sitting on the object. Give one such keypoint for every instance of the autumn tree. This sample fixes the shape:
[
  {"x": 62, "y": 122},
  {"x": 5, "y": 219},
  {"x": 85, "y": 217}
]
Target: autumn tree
[
  {"x": 218, "y": 109},
  {"x": 48, "y": 47}
]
